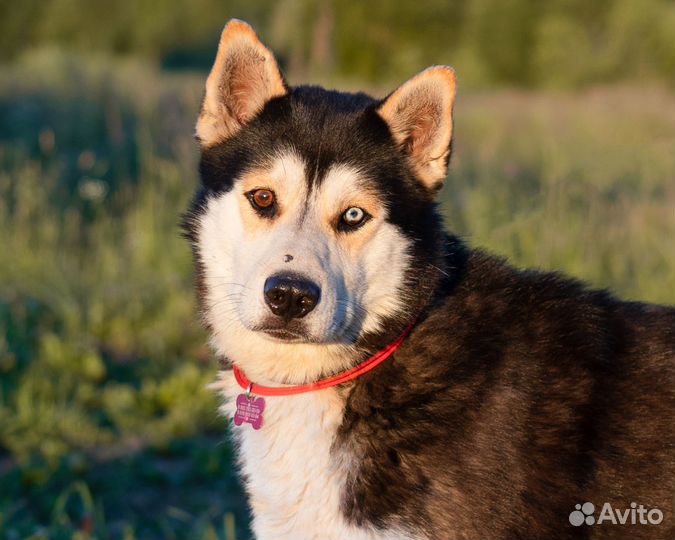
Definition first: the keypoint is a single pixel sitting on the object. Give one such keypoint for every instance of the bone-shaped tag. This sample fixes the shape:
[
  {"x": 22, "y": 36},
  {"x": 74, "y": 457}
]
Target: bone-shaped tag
[{"x": 250, "y": 410}]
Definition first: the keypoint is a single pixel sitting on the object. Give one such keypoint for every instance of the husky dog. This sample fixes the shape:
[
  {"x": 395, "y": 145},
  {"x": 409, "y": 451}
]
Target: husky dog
[{"x": 513, "y": 396}]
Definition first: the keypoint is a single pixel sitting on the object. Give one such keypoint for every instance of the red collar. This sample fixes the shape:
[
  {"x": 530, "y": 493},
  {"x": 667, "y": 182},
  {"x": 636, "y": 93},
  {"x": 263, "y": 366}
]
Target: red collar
[{"x": 353, "y": 373}]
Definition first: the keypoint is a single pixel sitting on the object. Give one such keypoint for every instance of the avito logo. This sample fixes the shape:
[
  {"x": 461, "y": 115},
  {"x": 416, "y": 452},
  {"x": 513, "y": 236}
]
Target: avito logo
[{"x": 635, "y": 515}]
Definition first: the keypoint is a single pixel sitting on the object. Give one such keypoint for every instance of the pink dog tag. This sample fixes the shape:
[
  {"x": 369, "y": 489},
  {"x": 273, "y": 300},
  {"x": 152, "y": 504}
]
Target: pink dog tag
[{"x": 249, "y": 409}]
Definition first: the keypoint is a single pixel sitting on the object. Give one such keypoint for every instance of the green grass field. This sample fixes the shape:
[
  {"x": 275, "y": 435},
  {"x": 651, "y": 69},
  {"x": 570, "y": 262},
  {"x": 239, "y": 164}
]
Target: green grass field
[{"x": 106, "y": 427}]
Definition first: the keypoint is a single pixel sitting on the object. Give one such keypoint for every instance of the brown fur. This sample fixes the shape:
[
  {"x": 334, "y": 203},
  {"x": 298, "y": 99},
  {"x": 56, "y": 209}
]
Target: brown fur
[{"x": 520, "y": 395}]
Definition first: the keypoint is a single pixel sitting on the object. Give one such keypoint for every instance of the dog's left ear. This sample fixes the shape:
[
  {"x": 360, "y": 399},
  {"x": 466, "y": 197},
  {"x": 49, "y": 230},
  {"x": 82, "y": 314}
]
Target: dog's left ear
[{"x": 419, "y": 116}]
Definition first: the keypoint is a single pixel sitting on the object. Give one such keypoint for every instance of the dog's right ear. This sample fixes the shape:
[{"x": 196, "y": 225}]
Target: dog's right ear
[{"x": 244, "y": 77}]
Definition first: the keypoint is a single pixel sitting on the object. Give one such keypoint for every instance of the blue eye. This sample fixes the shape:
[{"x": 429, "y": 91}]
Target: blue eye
[{"x": 353, "y": 216}]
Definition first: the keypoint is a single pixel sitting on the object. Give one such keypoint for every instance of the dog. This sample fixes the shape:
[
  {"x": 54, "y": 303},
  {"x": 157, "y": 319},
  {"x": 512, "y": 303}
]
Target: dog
[{"x": 386, "y": 380}]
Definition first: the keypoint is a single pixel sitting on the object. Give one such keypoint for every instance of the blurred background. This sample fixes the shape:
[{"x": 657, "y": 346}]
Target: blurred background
[{"x": 563, "y": 159}]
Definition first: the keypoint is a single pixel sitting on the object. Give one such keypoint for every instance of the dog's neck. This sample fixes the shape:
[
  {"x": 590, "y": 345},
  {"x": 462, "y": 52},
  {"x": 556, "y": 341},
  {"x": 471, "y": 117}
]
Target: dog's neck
[{"x": 434, "y": 280}]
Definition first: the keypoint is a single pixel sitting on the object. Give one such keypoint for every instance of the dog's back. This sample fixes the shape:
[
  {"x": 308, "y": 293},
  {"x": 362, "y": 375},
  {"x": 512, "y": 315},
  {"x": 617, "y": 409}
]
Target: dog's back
[{"x": 521, "y": 395}]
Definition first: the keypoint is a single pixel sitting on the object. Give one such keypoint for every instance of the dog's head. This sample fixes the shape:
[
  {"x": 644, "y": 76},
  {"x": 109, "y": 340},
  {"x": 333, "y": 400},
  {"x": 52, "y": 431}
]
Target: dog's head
[{"x": 315, "y": 224}]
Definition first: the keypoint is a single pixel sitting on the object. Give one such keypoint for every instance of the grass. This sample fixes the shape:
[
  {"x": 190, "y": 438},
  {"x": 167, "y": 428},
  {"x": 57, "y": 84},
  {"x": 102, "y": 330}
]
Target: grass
[
  {"x": 106, "y": 428},
  {"x": 578, "y": 182}
]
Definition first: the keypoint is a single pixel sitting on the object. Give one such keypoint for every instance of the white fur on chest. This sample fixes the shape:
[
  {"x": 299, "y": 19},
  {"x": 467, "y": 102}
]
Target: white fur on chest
[{"x": 293, "y": 477}]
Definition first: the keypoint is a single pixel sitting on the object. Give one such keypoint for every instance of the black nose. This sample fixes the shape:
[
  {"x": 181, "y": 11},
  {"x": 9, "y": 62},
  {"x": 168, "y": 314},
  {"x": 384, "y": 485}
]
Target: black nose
[{"x": 291, "y": 297}]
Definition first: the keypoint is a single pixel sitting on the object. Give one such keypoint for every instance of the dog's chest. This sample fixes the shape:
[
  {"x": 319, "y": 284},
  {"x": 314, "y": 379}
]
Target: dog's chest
[{"x": 293, "y": 475}]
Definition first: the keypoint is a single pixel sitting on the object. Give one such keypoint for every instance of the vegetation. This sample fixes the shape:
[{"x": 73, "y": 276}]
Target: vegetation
[
  {"x": 107, "y": 429},
  {"x": 580, "y": 182},
  {"x": 557, "y": 43},
  {"x": 107, "y": 425}
]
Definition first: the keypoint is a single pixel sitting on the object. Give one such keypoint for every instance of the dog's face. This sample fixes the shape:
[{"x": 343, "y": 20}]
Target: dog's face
[
  {"x": 316, "y": 223},
  {"x": 304, "y": 261}
]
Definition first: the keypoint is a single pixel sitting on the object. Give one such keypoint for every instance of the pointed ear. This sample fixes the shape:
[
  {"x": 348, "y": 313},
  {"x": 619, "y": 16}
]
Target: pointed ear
[
  {"x": 419, "y": 116},
  {"x": 244, "y": 77}
]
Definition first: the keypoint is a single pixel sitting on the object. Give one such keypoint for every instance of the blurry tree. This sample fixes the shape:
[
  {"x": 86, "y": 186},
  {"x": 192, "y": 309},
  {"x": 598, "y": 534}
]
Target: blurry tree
[
  {"x": 512, "y": 42},
  {"x": 502, "y": 32}
]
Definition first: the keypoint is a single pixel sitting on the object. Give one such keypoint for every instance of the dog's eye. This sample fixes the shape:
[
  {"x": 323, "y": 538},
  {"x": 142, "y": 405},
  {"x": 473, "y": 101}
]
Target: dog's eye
[
  {"x": 263, "y": 198},
  {"x": 353, "y": 218},
  {"x": 263, "y": 201}
]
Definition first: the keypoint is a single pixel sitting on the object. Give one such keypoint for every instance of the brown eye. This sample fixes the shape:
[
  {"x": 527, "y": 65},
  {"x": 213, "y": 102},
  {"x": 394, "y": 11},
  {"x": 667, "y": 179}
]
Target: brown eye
[
  {"x": 262, "y": 198},
  {"x": 263, "y": 202}
]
